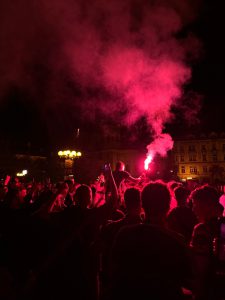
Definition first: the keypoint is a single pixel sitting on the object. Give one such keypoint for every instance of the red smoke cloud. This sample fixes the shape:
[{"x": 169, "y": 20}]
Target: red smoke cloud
[{"x": 128, "y": 48}]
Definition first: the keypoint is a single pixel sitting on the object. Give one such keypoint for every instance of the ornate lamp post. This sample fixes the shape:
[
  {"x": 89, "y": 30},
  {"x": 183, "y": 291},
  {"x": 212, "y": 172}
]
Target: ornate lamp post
[{"x": 69, "y": 157}]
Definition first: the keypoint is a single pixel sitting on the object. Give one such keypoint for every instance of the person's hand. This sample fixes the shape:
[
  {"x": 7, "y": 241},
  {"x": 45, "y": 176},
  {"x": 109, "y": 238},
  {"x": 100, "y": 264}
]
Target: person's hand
[
  {"x": 107, "y": 170},
  {"x": 7, "y": 179}
]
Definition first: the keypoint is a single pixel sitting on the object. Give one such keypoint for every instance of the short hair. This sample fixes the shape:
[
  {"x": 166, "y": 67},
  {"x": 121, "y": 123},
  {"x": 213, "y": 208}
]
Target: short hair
[
  {"x": 69, "y": 182},
  {"x": 156, "y": 198},
  {"x": 132, "y": 198},
  {"x": 119, "y": 165},
  {"x": 206, "y": 195},
  {"x": 83, "y": 194},
  {"x": 62, "y": 186},
  {"x": 181, "y": 194}
]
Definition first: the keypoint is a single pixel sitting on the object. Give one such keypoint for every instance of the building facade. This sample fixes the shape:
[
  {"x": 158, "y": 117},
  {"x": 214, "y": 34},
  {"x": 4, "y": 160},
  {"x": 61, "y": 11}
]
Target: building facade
[{"x": 201, "y": 159}]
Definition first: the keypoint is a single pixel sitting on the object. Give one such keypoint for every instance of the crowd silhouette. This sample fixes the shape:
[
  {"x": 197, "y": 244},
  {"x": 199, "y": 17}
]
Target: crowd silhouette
[{"x": 118, "y": 237}]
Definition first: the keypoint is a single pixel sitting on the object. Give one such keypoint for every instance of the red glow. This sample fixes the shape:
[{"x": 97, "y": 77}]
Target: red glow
[
  {"x": 160, "y": 145},
  {"x": 148, "y": 161}
]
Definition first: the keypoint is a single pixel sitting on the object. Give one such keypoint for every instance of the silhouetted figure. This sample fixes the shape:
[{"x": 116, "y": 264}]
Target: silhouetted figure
[
  {"x": 206, "y": 206},
  {"x": 181, "y": 218},
  {"x": 132, "y": 199},
  {"x": 222, "y": 200},
  {"x": 69, "y": 199},
  {"x": 120, "y": 174},
  {"x": 172, "y": 185},
  {"x": 148, "y": 261}
]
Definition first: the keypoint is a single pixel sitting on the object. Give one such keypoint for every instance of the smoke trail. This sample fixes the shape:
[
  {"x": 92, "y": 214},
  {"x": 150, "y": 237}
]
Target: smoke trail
[{"x": 128, "y": 49}]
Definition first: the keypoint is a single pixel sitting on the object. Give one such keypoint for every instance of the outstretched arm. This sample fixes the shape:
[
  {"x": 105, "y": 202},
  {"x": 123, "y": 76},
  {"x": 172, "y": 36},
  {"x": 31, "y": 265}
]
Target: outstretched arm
[
  {"x": 133, "y": 179},
  {"x": 111, "y": 187}
]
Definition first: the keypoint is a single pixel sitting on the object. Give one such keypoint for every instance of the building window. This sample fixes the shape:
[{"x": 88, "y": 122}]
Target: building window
[
  {"x": 214, "y": 157},
  {"x": 213, "y": 146},
  {"x": 182, "y": 169},
  {"x": 177, "y": 158},
  {"x": 182, "y": 158},
  {"x": 205, "y": 169},
  {"x": 204, "y": 157},
  {"x": 192, "y": 157},
  {"x": 193, "y": 170},
  {"x": 182, "y": 149},
  {"x": 192, "y": 148},
  {"x": 203, "y": 148}
]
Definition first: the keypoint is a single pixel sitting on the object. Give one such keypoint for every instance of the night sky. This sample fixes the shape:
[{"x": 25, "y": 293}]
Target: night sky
[{"x": 66, "y": 65}]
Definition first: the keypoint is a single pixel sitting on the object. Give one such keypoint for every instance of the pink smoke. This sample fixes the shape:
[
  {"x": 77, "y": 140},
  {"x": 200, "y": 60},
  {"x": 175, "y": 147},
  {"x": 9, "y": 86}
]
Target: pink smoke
[
  {"x": 128, "y": 49},
  {"x": 160, "y": 145}
]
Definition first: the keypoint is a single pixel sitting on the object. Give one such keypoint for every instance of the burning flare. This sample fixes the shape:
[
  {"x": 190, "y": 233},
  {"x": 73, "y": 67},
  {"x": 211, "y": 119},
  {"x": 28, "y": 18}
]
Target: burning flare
[{"x": 148, "y": 161}]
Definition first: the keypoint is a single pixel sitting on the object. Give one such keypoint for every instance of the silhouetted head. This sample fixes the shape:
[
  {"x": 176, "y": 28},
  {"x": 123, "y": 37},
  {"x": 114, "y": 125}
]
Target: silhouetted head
[
  {"x": 120, "y": 166},
  {"x": 63, "y": 189},
  {"x": 205, "y": 201},
  {"x": 83, "y": 196},
  {"x": 156, "y": 198},
  {"x": 181, "y": 194},
  {"x": 173, "y": 184},
  {"x": 70, "y": 184},
  {"x": 132, "y": 198}
]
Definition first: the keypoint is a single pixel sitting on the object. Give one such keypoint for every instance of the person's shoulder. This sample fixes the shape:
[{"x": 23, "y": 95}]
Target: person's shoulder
[
  {"x": 148, "y": 234},
  {"x": 125, "y": 174},
  {"x": 201, "y": 238},
  {"x": 199, "y": 228},
  {"x": 173, "y": 212},
  {"x": 128, "y": 229},
  {"x": 147, "y": 229},
  {"x": 113, "y": 225}
]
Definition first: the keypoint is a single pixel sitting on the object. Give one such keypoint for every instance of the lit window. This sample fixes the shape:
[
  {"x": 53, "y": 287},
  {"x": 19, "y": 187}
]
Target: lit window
[
  {"x": 193, "y": 170},
  {"x": 192, "y": 148},
  {"x": 192, "y": 158}
]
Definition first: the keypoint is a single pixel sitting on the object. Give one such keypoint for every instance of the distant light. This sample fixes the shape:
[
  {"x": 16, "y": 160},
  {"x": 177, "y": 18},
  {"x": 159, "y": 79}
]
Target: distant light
[
  {"x": 69, "y": 154},
  {"x": 171, "y": 171},
  {"x": 21, "y": 174},
  {"x": 189, "y": 178}
]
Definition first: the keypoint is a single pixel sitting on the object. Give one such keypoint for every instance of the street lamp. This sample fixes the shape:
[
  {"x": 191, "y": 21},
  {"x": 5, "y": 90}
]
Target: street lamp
[
  {"x": 21, "y": 174},
  {"x": 69, "y": 157},
  {"x": 67, "y": 154}
]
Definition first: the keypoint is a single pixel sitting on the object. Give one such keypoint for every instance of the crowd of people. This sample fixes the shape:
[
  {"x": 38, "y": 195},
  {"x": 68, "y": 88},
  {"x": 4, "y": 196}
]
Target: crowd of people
[{"x": 118, "y": 237}]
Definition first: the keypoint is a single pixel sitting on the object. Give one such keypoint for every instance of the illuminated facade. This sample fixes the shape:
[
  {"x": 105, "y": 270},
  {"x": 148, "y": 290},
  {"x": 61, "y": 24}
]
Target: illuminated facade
[{"x": 201, "y": 159}]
